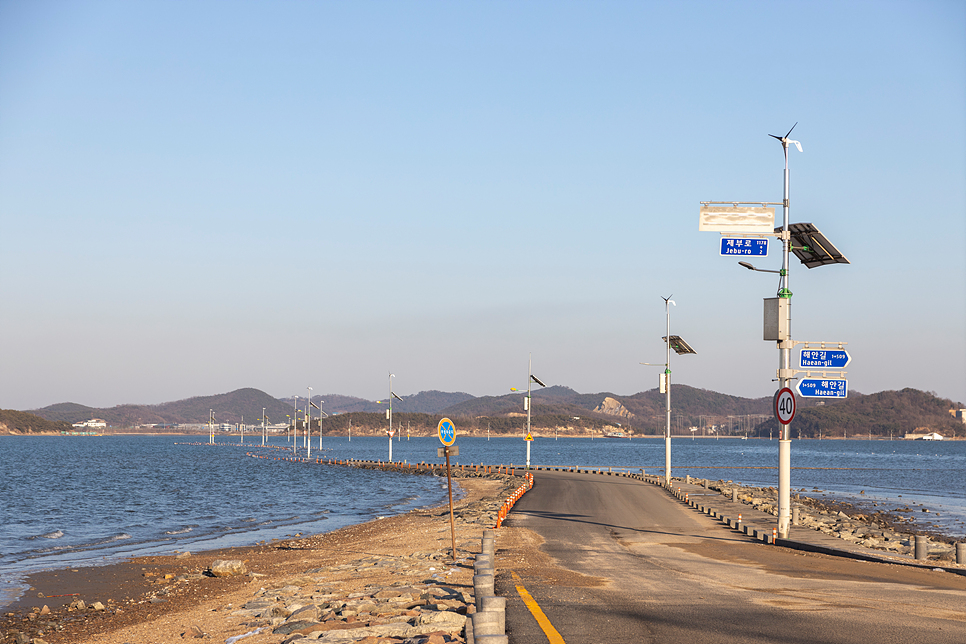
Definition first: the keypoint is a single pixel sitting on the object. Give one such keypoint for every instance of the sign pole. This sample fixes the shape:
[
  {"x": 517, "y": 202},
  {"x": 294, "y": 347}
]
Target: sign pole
[
  {"x": 785, "y": 372},
  {"x": 446, "y": 431},
  {"x": 449, "y": 486}
]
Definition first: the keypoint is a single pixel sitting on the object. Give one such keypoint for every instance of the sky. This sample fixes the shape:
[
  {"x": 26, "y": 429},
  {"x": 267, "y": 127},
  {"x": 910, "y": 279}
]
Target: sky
[{"x": 202, "y": 196}]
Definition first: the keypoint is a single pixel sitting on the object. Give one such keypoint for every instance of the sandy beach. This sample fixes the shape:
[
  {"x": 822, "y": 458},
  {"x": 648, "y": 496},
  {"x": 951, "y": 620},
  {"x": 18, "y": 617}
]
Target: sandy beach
[{"x": 172, "y": 598}]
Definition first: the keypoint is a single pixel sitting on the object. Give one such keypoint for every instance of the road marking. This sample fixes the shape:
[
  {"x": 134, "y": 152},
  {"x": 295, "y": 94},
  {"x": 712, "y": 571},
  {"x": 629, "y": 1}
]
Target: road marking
[{"x": 538, "y": 613}]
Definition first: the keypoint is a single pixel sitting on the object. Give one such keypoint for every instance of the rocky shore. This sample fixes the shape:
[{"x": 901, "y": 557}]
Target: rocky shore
[
  {"x": 863, "y": 524},
  {"x": 393, "y": 580}
]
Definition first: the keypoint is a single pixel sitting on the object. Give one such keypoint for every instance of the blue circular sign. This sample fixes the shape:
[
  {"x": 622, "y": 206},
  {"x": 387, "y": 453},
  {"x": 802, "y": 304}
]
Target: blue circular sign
[{"x": 447, "y": 432}]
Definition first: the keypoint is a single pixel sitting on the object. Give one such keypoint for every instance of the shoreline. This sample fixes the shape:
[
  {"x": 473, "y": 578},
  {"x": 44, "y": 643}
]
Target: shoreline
[{"x": 165, "y": 593}]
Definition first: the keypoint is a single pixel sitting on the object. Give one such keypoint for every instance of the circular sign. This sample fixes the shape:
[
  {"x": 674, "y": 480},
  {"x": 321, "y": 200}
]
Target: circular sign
[
  {"x": 447, "y": 432},
  {"x": 784, "y": 405}
]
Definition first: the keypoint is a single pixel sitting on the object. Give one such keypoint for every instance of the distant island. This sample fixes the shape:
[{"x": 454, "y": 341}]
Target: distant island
[{"x": 556, "y": 410}]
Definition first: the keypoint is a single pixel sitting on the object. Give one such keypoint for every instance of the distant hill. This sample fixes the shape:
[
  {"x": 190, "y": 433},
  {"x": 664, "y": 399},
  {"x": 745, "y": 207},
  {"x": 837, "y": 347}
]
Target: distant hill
[
  {"x": 884, "y": 413},
  {"x": 557, "y": 408},
  {"x": 20, "y": 422},
  {"x": 228, "y": 408}
]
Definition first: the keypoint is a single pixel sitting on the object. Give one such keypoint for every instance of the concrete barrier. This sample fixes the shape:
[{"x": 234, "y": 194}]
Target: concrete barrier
[
  {"x": 961, "y": 553},
  {"x": 922, "y": 547},
  {"x": 496, "y": 605},
  {"x": 482, "y": 587}
]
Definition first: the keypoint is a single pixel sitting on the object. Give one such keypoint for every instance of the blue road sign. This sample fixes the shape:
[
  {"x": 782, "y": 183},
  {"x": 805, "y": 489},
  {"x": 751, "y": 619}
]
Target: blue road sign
[
  {"x": 446, "y": 431},
  {"x": 753, "y": 247},
  {"x": 825, "y": 358},
  {"x": 823, "y": 388}
]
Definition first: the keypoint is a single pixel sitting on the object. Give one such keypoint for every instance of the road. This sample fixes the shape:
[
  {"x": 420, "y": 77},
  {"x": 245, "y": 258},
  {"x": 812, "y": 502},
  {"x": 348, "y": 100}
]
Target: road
[{"x": 611, "y": 559}]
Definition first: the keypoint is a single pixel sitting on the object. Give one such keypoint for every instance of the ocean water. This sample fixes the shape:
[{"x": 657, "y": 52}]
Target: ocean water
[{"x": 76, "y": 501}]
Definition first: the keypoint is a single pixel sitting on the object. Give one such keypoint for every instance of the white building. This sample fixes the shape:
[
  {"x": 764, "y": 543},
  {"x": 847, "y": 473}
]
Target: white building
[{"x": 93, "y": 423}]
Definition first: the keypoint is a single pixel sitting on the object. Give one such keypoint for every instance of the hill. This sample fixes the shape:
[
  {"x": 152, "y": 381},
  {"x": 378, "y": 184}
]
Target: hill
[
  {"x": 886, "y": 413},
  {"x": 20, "y": 422},
  {"x": 228, "y": 408}
]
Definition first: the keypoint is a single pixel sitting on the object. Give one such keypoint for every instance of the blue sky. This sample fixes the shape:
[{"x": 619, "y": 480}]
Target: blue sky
[{"x": 197, "y": 197}]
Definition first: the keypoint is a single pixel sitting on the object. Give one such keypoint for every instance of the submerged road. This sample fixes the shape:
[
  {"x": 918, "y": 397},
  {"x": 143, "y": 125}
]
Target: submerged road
[{"x": 609, "y": 560}]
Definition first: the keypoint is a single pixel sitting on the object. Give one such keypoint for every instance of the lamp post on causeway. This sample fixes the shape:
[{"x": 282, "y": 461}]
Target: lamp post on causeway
[
  {"x": 528, "y": 404},
  {"x": 389, "y": 412},
  {"x": 263, "y": 427},
  {"x": 295, "y": 425},
  {"x": 308, "y": 425},
  {"x": 322, "y": 415},
  {"x": 813, "y": 249},
  {"x": 681, "y": 348}
]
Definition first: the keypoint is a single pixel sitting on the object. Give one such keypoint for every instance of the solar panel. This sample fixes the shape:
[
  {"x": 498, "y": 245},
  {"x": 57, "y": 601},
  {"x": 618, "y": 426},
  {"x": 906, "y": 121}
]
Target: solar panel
[
  {"x": 811, "y": 246},
  {"x": 679, "y": 345}
]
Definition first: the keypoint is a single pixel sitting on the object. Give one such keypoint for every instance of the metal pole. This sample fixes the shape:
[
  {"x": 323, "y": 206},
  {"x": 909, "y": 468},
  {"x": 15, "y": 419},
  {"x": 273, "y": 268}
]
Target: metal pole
[
  {"x": 529, "y": 405},
  {"x": 449, "y": 487},
  {"x": 264, "y": 435},
  {"x": 390, "y": 418},
  {"x": 667, "y": 394},
  {"x": 295, "y": 423},
  {"x": 784, "y": 370},
  {"x": 308, "y": 428}
]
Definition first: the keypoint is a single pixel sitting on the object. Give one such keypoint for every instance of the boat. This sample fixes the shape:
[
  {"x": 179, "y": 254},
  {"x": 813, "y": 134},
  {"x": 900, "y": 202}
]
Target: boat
[{"x": 615, "y": 435}]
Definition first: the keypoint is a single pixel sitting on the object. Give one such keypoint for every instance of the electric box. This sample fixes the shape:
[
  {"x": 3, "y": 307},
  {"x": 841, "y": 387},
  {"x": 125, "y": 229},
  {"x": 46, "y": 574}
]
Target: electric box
[{"x": 778, "y": 322}]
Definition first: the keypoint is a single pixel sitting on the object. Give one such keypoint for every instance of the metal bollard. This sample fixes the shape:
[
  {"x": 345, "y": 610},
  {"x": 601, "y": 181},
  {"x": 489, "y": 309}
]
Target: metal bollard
[
  {"x": 961, "y": 553},
  {"x": 496, "y": 605},
  {"x": 482, "y": 587},
  {"x": 922, "y": 547}
]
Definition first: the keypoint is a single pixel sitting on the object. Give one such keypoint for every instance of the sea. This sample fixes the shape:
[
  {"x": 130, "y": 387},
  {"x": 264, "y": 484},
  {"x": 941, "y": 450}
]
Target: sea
[{"x": 68, "y": 501}]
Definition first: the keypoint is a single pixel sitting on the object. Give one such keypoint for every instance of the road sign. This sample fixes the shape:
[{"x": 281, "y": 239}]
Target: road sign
[
  {"x": 446, "y": 431},
  {"x": 528, "y": 437},
  {"x": 823, "y": 388},
  {"x": 825, "y": 358},
  {"x": 748, "y": 247},
  {"x": 784, "y": 405}
]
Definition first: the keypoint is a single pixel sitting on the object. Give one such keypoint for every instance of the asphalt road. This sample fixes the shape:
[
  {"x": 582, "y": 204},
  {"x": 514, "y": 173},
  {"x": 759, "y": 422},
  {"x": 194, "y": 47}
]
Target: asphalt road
[{"x": 611, "y": 559}]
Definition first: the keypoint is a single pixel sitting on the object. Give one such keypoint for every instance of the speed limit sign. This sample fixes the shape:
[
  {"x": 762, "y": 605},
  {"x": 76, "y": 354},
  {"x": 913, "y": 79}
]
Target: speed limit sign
[{"x": 784, "y": 405}]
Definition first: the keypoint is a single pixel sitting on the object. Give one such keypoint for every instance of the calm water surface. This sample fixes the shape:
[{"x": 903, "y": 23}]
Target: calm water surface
[{"x": 71, "y": 501}]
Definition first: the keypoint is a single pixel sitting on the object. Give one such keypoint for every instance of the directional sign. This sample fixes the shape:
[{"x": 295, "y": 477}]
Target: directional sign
[
  {"x": 784, "y": 405},
  {"x": 825, "y": 358},
  {"x": 446, "y": 431},
  {"x": 754, "y": 247},
  {"x": 823, "y": 388}
]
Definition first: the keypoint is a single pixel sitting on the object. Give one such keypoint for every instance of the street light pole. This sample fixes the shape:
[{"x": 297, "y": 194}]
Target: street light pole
[
  {"x": 785, "y": 344},
  {"x": 667, "y": 391},
  {"x": 390, "y": 416},
  {"x": 308, "y": 428},
  {"x": 263, "y": 427},
  {"x": 295, "y": 425}
]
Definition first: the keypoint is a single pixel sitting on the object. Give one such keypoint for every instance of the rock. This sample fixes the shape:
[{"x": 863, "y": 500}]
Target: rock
[
  {"x": 227, "y": 567},
  {"x": 45, "y": 610},
  {"x": 98, "y": 606},
  {"x": 195, "y": 632},
  {"x": 182, "y": 555}
]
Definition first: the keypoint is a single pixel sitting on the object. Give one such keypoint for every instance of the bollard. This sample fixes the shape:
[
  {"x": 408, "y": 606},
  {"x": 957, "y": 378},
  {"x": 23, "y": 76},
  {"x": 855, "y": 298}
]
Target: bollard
[
  {"x": 469, "y": 630},
  {"x": 489, "y": 533},
  {"x": 687, "y": 479},
  {"x": 489, "y": 547},
  {"x": 922, "y": 547},
  {"x": 961, "y": 553},
  {"x": 734, "y": 495},
  {"x": 486, "y": 622},
  {"x": 496, "y": 605},
  {"x": 483, "y": 568},
  {"x": 795, "y": 515},
  {"x": 492, "y": 639},
  {"x": 482, "y": 587},
  {"x": 774, "y": 535}
]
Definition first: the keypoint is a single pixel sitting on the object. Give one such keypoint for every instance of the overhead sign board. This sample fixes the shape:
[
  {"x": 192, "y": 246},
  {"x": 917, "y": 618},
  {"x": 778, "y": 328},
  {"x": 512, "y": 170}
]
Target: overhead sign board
[
  {"x": 823, "y": 388},
  {"x": 446, "y": 431},
  {"x": 747, "y": 247},
  {"x": 736, "y": 219},
  {"x": 825, "y": 358}
]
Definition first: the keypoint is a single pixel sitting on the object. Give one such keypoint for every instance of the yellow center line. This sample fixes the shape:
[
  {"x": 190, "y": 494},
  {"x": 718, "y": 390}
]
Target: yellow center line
[{"x": 538, "y": 613}]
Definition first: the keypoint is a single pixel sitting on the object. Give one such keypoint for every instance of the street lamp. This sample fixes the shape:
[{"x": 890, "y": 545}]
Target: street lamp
[
  {"x": 680, "y": 347},
  {"x": 528, "y": 404},
  {"x": 389, "y": 412},
  {"x": 812, "y": 248},
  {"x": 308, "y": 426}
]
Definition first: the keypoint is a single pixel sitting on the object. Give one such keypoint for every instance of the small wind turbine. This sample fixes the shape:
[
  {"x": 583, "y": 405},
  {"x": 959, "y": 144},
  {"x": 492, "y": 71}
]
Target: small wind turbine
[{"x": 785, "y": 140}]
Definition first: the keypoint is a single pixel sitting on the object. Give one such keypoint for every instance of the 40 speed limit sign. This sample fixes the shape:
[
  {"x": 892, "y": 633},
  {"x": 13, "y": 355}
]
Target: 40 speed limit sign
[{"x": 784, "y": 405}]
